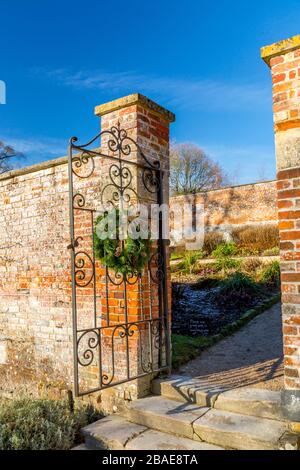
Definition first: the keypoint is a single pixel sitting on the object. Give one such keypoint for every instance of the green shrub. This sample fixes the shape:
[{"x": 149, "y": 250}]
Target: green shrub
[
  {"x": 223, "y": 254},
  {"x": 272, "y": 251},
  {"x": 271, "y": 274},
  {"x": 176, "y": 256},
  {"x": 225, "y": 249},
  {"x": 211, "y": 241},
  {"x": 28, "y": 424},
  {"x": 237, "y": 290},
  {"x": 190, "y": 260},
  {"x": 225, "y": 264}
]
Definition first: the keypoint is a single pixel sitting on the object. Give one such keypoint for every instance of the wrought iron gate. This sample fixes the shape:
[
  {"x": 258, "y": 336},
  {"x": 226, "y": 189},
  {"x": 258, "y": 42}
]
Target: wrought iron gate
[{"x": 110, "y": 346}]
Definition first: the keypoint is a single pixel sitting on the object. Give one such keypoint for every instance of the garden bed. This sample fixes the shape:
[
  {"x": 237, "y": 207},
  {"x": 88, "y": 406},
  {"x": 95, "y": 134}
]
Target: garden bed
[
  {"x": 207, "y": 298},
  {"x": 195, "y": 310}
]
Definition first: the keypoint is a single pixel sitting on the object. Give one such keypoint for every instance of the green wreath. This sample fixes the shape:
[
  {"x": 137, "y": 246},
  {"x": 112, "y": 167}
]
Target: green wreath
[{"x": 128, "y": 256}]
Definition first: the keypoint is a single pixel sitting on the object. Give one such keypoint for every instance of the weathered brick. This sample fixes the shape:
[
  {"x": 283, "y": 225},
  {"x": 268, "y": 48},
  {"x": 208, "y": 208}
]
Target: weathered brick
[
  {"x": 35, "y": 290},
  {"x": 290, "y": 277},
  {"x": 290, "y": 235},
  {"x": 288, "y": 194},
  {"x": 278, "y": 78}
]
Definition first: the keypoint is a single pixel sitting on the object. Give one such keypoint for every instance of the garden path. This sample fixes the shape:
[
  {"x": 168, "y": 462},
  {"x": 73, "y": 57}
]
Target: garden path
[{"x": 253, "y": 356}]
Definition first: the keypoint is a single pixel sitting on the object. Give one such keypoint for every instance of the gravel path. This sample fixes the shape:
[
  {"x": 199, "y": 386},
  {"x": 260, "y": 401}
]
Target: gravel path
[{"x": 250, "y": 357}]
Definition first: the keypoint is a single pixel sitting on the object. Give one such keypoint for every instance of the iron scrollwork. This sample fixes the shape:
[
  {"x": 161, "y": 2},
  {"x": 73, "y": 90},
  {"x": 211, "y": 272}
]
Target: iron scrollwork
[
  {"x": 85, "y": 352},
  {"x": 94, "y": 344},
  {"x": 156, "y": 267}
]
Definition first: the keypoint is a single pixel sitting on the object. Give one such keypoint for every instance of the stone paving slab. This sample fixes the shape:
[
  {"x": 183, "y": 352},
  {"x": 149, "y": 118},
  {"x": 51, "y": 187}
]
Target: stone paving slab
[
  {"x": 245, "y": 400},
  {"x": 232, "y": 430},
  {"x": 80, "y": 447},
  {"x": 112, "y": 432},
  {"x": 155, "y": 440},
  {"x": 165, "y": 415},
  {"x": 251, "y": 401},
  {"x": 187, "y": 389}
]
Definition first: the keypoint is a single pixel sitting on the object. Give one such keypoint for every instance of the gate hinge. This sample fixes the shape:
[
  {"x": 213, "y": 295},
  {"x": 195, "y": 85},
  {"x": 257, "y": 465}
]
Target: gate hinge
[{"x": 73, "y": 245}]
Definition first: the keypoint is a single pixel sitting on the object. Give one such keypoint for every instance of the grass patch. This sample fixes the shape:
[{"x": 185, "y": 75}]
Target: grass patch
[
  {"x": 176, "y": 256},
  {"x": 28, "y": 424},
  {"x": 186, "y": 348}
]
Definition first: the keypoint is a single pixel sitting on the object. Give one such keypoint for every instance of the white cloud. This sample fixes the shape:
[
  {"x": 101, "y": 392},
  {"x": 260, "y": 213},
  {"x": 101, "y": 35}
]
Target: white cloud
[
  {"x": 181, "y": 92},
  {"x": 37, "y": 148}
]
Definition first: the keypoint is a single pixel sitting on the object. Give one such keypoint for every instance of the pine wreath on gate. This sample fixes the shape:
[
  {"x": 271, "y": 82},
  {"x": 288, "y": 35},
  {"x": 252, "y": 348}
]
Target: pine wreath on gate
[{"x": 128, "y": 256}]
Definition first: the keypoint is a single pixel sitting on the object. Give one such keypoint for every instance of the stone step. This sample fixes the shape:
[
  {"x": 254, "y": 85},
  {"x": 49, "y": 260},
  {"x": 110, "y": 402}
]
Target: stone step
[
  {"x": 238, "y": 431},
  {"x": 245, "y": 400},
  {"x": 111, "y": 433},
  {"x": 222, "y": 428},
  {"x": 156, "y": 440},
  {"x": 165, "y": 415},
  {"x": 80, "y": 447},
  {"x": 251, "y": 401},
  {"x": 116, "y": 433}
]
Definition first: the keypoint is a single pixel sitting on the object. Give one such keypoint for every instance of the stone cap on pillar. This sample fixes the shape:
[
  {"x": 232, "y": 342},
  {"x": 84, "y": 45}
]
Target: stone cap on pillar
[
  {"x": 280, "y": 48},
  {"x": 134, "y": 99}
]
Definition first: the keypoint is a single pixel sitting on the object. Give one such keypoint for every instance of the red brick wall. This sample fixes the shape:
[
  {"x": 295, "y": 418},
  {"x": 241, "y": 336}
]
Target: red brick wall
[
  {"x": 36, "y": 345},
  {"x": 284, "y": 61},
  {"x": 286, "y": 95},
  {"x": 35, "y": 298},
  {"x": 35, "y": 322},
  {"x": 227, "y": 208}
]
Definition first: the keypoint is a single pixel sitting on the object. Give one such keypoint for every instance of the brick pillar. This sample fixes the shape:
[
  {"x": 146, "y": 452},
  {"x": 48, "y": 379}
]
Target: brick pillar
[
  {"x": 283, "y": 58},
  {"x": 146, "y": 123}
]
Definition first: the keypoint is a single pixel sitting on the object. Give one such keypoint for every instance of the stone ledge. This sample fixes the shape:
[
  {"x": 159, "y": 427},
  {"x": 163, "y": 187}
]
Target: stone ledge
[
  {"x": 279, "y": 48},
  {"x": 130, "y": 100},
  {"x": 33, "y": 168}
]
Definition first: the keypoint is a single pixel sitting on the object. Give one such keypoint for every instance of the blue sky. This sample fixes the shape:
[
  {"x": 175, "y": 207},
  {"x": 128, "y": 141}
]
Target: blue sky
[{"x": 199, "y": 59}]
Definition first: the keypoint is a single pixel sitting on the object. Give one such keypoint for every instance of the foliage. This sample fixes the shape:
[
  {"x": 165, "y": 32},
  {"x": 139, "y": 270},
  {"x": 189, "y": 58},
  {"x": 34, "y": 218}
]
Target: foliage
[
  {"x": 28, "y": 424},
  {"x": 272, "y": 251},
  {"x": 251, "y": 265},
  {"x": 248, "y": 251},
  {"x": 128, "y": 256},
  {"x": 225, "y": 264},
  {"x": 176, "y": 256},
  {"x": 256, "y": 238},
  {"x": 193, "y": 171},
  {"x": 225, "y": 249},
  {"x": 271, "y": 274},
  {"x": 6, "y": 154},
  {"x": 190, "y": 260},
  {"x": 211, "y": 241},
  {"x": 223, "y": 254},
  {"x": 237, "y": 290},
  {"x": 207, "y": 271}
]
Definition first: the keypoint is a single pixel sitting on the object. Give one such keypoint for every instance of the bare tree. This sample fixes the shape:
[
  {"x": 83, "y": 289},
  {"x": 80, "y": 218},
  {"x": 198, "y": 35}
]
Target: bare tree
[
  {"x": 6, "y": 154},
  {"x": 193, "y": 171}
]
